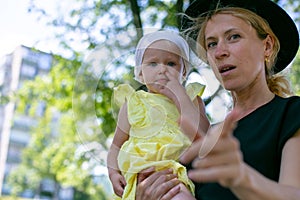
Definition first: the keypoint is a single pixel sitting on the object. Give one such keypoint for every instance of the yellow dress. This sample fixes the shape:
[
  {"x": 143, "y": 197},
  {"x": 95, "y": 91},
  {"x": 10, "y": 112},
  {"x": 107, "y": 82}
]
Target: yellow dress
[{"x": 154, "y": 138}]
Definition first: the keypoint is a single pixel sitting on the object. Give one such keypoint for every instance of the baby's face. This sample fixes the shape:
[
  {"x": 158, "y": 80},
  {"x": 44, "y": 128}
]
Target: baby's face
[{"x": 160, "y": 57}]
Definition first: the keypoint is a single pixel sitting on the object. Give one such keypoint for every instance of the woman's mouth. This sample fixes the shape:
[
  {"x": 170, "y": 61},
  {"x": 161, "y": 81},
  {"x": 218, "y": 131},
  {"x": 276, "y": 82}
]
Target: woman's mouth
[{"x": 225, "y": 68}]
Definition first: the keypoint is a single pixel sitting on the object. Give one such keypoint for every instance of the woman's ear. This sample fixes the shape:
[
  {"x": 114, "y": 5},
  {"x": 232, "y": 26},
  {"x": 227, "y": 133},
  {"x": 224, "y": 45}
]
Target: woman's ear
[
  {"x": 269, "y": 44},
  {"x": 184, "y": 73}
]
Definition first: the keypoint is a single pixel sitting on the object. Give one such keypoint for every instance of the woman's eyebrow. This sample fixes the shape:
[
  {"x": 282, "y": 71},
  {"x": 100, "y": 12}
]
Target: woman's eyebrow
[{"x": 225, "y": 33}]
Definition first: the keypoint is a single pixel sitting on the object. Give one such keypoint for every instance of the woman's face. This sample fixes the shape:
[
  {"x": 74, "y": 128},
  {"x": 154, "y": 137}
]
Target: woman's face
[
  {"x": 160, "y": 57},
  {"x": 235, "y": 52}
]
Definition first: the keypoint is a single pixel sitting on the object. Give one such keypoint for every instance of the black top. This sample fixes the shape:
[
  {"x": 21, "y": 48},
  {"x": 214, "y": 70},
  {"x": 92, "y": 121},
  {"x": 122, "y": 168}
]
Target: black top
[{"x": 262, "y": 135}]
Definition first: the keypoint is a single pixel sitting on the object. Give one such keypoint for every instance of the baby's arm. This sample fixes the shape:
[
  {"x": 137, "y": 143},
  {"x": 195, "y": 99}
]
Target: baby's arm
[
  {"x": 204, "y": 124},
  {"x": 121, "y": 135},
  {"x": 193, "y": 120}
]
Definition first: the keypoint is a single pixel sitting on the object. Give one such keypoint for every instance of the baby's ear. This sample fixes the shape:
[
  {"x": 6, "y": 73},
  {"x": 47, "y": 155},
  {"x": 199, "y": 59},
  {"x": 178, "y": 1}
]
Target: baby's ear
[{"x": 141, "y": 78}]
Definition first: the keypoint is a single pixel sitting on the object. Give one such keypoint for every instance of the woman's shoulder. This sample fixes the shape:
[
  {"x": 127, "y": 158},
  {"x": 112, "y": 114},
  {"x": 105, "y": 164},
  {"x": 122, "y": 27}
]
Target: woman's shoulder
[
  {"x": 290, "y": 98},
  {"x": 279, "y": 108},
  {"x": 290, "y": 122},
  {"x": 292, "y": 101},
  {"x": 288, "y": 108},
  {"x": 285, "y": 106}
]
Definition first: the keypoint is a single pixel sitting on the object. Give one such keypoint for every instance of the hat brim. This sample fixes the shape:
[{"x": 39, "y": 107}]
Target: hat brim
[{"x": 280, "y": 22}]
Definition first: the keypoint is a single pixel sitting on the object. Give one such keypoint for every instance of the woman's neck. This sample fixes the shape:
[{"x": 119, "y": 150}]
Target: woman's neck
[{"x": 248, "y": 101}]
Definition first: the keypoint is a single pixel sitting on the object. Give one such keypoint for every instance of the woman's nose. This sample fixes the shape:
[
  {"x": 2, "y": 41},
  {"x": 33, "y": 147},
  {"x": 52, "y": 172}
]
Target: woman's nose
[{"x": 221, "y": 50}]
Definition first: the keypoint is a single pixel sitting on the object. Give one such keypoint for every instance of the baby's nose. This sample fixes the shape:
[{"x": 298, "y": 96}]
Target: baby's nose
[{"x": 162, "y": 68}]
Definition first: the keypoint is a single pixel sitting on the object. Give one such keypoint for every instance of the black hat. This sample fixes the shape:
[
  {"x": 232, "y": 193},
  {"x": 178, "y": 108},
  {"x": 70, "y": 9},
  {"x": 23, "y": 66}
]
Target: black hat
[{"x": 281, "y": 23}]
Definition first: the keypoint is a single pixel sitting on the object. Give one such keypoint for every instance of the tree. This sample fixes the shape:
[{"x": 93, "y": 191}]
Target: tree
[
  {"x": 55, "y": 151},
  {"x": 295, "y": 74}
]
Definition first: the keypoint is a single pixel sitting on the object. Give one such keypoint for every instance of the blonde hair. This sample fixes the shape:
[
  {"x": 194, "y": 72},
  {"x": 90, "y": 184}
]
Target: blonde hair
[{"x": 277, "y": 83}]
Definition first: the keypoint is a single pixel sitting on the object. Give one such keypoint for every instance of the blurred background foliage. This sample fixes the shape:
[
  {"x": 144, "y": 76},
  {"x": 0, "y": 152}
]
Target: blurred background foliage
[{"x": 97, "y": 39}]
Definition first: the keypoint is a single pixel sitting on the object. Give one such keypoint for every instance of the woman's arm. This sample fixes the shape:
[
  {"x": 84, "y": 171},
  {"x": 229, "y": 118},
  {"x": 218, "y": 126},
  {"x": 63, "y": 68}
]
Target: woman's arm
[
  {"x": 290, "y": 162},
  {"x": 121, "y": 135},
  {"x": 223, "y": 163}
]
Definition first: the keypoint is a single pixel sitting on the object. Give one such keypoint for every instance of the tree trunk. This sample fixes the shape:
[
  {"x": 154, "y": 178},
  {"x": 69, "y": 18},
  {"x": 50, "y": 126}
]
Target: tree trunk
[
  {"x": 179, "y": 9},
  {"x": 136, "y": 18}
]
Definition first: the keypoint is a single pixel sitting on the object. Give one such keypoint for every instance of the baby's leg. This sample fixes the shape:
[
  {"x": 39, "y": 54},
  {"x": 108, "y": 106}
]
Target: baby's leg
[{"x": 184, "y": 194}]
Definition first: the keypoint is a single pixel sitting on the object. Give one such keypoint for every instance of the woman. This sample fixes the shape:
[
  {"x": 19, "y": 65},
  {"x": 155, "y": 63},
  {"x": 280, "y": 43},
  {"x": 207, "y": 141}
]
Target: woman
[{"x": 246, "y": 43}]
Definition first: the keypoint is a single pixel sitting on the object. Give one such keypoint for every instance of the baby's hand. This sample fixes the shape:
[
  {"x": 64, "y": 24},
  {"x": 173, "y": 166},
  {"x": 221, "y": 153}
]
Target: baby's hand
[
  {"x": 118, "y": 182},
  {"x": 173, "y": 89}
]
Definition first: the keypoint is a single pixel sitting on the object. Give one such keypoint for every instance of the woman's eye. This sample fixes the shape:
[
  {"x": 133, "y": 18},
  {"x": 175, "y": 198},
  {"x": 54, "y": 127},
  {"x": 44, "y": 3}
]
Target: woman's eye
[
  {"x": 234, "y": 37},
  {"x": 211, "y": 45}
]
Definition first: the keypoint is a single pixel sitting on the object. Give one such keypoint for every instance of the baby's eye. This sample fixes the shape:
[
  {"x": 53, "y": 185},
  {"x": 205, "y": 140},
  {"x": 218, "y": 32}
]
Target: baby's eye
[
  {"x": 171, "y": 64},
  {"x": 152, "y": 64}
]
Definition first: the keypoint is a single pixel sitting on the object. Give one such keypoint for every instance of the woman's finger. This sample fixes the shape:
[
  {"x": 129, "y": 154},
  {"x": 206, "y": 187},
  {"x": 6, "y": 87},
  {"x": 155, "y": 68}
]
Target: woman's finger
[
  {"x": 226, "y": 175},
  {"x": 157, "y": 185},
  {"x": 149, "y": 176},
  {"x": 213, "y": 135},
  {"x": 145, "y": 173},
  {"x": 226, "y": 158},
  {"x": 165, "y": 188},
  {"x": 210, "y": 140},
  {"x": 172, "y": 193},
  {"x": 230, "y": 123}
]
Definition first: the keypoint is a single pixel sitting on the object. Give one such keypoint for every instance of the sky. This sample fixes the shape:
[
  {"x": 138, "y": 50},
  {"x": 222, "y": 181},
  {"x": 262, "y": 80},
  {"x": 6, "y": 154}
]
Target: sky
[{"x": 18, "y": 27}]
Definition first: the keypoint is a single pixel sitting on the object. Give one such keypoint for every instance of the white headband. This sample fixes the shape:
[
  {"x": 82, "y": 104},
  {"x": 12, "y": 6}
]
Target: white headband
[{"x": 150, "y": 38}]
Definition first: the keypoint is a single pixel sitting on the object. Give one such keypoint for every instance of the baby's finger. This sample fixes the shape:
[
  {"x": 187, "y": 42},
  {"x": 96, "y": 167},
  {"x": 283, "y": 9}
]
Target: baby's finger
[
  {"x": 171, "y": 74},
  {"x": 118, "y": 189},
  {"x": 123, "y": 181}
]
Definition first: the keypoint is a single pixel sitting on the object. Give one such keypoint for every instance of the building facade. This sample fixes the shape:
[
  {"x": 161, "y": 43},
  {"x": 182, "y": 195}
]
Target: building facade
[{"x": 21, "y": 65}]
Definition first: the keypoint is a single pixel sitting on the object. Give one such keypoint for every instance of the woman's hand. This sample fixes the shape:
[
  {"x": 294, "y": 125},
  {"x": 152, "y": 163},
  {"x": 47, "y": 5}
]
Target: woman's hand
[
  {"x": 153, "y": 185},
  {"x": 220, "y": 158}
]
